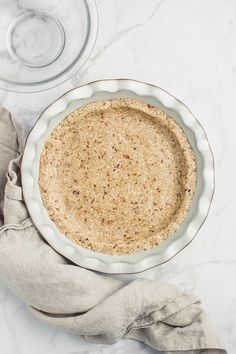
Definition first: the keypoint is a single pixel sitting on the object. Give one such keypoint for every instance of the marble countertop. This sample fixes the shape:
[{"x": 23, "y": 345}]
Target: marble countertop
[{"x": 188, "y": 48}]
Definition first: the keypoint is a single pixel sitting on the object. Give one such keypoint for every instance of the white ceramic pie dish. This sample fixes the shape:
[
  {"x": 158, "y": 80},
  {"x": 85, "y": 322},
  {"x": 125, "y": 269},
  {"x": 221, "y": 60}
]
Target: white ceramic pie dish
[{"x": 107, "y": 89}]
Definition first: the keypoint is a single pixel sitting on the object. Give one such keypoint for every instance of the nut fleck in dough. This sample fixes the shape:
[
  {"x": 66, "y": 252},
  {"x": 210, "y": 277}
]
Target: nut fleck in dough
[{"x": 117, "y": 176}]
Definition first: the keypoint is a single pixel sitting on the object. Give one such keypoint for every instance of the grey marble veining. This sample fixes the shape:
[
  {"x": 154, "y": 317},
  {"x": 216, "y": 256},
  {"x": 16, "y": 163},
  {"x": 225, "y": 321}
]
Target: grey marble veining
[{"x": 188, "y": 48}]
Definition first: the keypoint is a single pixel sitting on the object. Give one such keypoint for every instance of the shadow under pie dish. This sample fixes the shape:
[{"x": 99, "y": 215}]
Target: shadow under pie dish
[{"x": 122, "y": 173}]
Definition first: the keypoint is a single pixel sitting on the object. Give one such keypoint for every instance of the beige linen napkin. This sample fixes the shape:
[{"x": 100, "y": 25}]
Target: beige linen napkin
[{"x": 65, "y": 296}]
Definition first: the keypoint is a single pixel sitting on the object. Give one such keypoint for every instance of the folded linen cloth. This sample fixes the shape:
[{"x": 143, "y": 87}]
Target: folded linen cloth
[{"x": 65, "y": 296}]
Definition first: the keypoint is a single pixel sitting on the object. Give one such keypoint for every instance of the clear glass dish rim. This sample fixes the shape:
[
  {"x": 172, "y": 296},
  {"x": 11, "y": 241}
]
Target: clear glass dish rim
[{"x": 93, "y": 21}]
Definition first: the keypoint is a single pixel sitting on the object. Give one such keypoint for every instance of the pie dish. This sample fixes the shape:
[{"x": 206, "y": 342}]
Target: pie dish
[{"x": 129, "y": 93}]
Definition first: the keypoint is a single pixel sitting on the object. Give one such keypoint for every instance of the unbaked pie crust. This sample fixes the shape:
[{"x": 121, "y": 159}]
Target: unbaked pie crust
[{"x": 117, "y": 176}]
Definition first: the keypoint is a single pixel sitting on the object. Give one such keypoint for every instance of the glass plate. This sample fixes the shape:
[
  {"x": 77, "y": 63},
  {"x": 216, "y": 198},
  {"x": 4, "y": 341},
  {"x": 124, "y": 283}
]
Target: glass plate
[{"x": 44, "y": 43}]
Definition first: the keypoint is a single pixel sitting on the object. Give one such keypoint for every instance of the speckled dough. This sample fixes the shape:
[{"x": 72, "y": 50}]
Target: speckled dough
[{"x": 117, "y": 176}]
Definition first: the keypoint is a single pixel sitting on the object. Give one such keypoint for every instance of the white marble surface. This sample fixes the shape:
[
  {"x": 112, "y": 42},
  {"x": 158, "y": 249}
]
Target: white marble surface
[{"x": 188, "y": 47}]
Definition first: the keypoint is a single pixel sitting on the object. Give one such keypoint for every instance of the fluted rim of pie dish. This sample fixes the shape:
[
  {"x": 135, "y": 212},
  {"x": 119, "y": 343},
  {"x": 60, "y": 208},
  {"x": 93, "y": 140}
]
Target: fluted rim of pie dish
[{"x": 105, "y": 89}]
